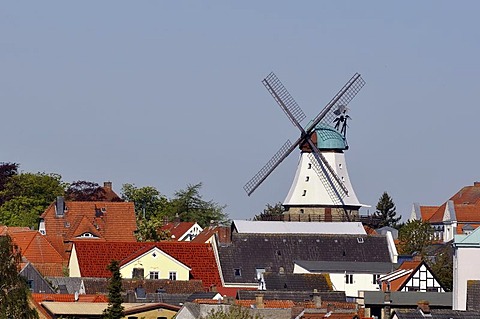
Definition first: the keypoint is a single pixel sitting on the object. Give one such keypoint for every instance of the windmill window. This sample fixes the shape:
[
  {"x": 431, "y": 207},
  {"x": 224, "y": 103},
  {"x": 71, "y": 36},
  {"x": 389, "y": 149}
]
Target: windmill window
[
  {"x": 309, "y": 165},
  {"x": 307, "y": 178},
  {"x": 343, "y": 179},
  {"x": 304, "y": 192},
  {"x": 340, "y": 165}
]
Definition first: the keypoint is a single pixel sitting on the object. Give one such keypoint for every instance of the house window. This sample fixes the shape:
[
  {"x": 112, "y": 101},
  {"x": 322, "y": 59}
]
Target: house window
[
  {"x": 30, "y": 284},
  {"x": 154, "y": 275},
  {"x": 375, "y": 279},
  {"x": 172, "y": 275},
  {"x": 349, "y": 278},
  {"x": 137, "y": 273},
  {"x": 413, "y": 289},
  {"x": 237, "y": 272}
]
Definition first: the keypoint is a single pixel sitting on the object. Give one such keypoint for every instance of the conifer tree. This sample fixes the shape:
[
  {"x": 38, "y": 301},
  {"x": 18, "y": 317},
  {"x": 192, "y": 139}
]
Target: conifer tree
[
  {"x": 386, "y": 211},
  {"x": 14, "y": 291},
  {"x": 115, "y": 308}
]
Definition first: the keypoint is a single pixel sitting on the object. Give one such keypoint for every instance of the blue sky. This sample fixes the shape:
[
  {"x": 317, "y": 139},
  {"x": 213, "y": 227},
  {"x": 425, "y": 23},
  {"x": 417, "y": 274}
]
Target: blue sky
[{"x": 167, "y": 94}]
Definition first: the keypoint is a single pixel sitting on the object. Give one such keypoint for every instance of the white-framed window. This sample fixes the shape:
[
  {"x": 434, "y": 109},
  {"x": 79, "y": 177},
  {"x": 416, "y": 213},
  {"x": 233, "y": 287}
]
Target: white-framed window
[
  {"x": 349, "y": 278},
  {"x": 154, "y": 275},
  {"x": 172, "y": 275}
]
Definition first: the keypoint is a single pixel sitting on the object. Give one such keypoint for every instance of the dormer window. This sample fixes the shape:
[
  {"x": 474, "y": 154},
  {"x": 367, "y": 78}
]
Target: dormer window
[{"x": 87, "y": 235}]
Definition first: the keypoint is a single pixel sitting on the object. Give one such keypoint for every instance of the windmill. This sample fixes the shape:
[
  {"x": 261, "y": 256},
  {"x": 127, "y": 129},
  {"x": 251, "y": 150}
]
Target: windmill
[{"x": 322, "y": 143}]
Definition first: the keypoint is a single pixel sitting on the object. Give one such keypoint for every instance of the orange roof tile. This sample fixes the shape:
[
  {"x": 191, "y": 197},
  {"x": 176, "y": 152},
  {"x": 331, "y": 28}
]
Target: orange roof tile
[
  {"x": 93, "y": 257},
  {"x": 427, "y": 212},
  {"x": 112, "y": 221},
  {"x": 38, "y": 250},
  {"x": 283, "y": 304},
  {"x": 11, "y": 229}
]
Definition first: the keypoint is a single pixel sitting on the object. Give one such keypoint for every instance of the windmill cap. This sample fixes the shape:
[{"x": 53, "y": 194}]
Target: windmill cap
[{"x": 328, "y": 138}]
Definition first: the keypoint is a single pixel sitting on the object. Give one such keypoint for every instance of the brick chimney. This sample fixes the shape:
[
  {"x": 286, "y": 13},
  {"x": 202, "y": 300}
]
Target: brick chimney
[
  {"x": 107, "y": 185},
  {"x": 259, "y": 301},
  {"x": 424, "y": 306}
]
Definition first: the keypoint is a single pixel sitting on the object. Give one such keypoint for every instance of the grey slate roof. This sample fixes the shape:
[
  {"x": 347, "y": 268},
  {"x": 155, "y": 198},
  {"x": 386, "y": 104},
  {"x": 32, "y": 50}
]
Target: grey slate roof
[
  {"x": 202, "y": 295},
  {"x": 436, "y": 314},
  {"x": 473, "y": 295},
  {"x": 99, "y": 285},
  {"x": 349, "y": 266},
  {"x": 296, "y": 282},
  {"x": 274, "y": 252},
  {"x": 410, "y": 298},
  {"x": 296, "y": 296}
]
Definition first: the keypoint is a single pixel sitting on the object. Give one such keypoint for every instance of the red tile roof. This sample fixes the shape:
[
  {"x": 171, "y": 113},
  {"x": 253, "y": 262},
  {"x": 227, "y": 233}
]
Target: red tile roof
[
  {"x": 467, "y": 206},
  {"x": 68, "y": 298},
  {"x": 223, "y": 234},
  {"x": 177, "y": 229},
  {"x": 397, "y": 284},
  {"x": 37, "y": 249},
  {"x": 112, "y": 221},
  {"x": 93, "y": 257}
]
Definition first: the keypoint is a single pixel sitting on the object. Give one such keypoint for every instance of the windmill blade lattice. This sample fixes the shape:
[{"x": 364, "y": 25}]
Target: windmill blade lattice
[
  {"x": 284, "y": 99},
  {"x": 266, "y": 170},
  {"x": 340, "y": 100}
]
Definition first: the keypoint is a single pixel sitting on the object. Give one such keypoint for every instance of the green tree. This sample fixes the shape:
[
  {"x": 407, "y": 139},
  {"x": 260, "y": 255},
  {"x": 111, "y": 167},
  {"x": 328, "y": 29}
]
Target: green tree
[
  {"x": 83, "y": 191},
  {"x": 148, "y": 201},
  {"x": 188, "y": 205},
  {"x": 270, "y": 212},
  {"x": 14, "y": 291},
  {"x": 233, "y": 312},
  {"x": 26, "y": 196},
  {"x": 386, "y": 212},
  {"x": 7, "y": 170},
  {"x": 414, "y": 237},
  {"x": 442, "y": 266},
  {"x": 150, "y": 230},
  {"x": 115, "y": 308}
]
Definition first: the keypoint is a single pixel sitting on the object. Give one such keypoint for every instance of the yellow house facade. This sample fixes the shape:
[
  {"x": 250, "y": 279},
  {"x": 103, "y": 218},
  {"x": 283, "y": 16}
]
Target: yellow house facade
[{"x": 155, "y": 264}]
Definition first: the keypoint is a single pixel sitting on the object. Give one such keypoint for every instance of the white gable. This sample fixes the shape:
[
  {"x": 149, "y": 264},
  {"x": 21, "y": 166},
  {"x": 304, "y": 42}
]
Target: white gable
[{"x": 280, "y": 227}]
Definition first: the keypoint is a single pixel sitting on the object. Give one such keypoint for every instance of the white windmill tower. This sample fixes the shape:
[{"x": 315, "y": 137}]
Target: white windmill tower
[{"x": 321, "y": 189}]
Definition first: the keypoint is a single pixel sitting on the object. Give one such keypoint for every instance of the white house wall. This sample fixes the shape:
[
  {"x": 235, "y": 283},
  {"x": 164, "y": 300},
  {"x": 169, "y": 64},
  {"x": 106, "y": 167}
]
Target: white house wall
[
  {"x": 423, "y": 280},
  {"x": 466, "y": 263},
  {"x": 73, "y": 266},
  {"x": 360, "y": 281}
]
